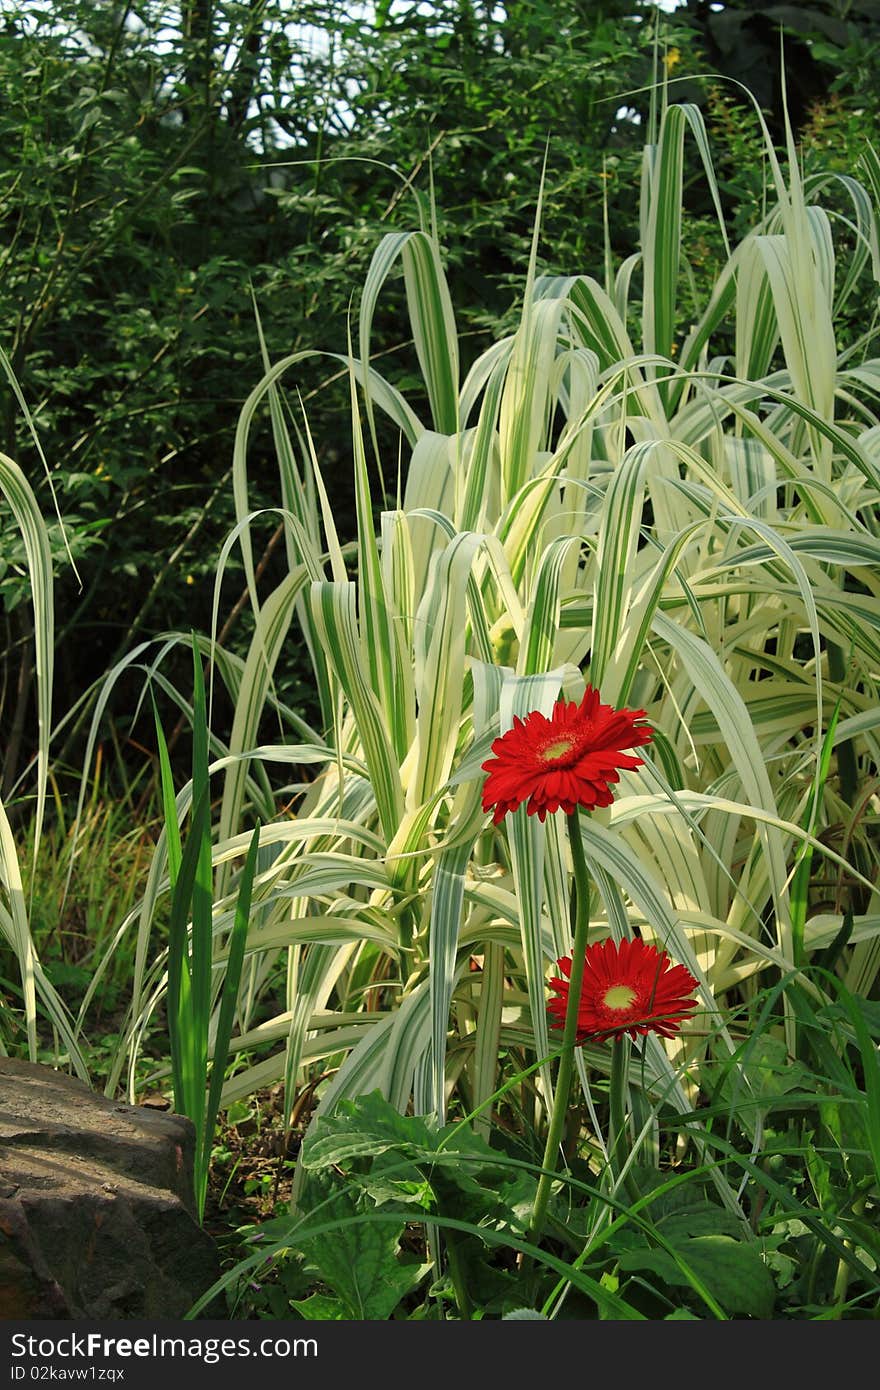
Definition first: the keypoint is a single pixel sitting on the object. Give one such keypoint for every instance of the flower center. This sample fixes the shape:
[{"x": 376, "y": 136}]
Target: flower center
[
  {"x": 619, "y": 997},
  {"x": 557, "y": 750}
]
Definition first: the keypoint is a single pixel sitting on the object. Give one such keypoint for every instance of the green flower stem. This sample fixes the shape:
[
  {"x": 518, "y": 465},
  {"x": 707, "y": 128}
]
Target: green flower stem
[
  {"x": 580, "y": 925},
  {"x": 456, "y": 1274},
  {"x": 618, "y": 1093},
  {"x": 617, "y": 1089},
  {"x": 618, "y": 1096}
]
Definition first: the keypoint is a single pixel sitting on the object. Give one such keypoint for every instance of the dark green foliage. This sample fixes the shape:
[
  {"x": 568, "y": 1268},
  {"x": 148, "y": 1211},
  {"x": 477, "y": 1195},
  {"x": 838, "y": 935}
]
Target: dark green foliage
[{"x": 829, "y": 48}]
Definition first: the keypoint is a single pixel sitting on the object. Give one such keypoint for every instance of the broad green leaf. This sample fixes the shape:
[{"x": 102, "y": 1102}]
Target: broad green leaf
[
  {"x": 733, "y": 1272},
  {"x": 360, "y": 1263}
]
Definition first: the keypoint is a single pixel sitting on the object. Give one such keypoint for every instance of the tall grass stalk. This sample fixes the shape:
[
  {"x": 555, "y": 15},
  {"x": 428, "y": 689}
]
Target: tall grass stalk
[{"x": 190, "y": 995}]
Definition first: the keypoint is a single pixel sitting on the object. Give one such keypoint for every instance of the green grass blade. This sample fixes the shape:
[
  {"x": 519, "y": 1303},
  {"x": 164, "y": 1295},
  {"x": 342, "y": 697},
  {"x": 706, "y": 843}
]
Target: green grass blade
[
  {"x": 203, "y": 887},
  {"x": 228, "y": 999},
  {"x": 26, "y": 511},
  {"x": 800, "y": 883},
  {"x": 169, "y": 803},
  {"x": 183, "y": 1022}
]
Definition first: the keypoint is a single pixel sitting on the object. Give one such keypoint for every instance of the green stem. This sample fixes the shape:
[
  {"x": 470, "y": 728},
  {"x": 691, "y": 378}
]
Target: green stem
[
  {"x": 456, "y": 1274},
  {"x": 618, "y": 1091},
  {"x": 581, "y": 926},
  {"x": 617, "y": 1106},
  {"x": 841, "y": 1281}
]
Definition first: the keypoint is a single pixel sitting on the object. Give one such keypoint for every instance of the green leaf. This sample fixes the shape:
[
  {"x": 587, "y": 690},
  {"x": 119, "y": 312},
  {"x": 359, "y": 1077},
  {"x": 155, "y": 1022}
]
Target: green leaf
[
  {"x": 869, "y": 1009},
  {"x": 360, "y": 1263},
  {"x": 321, "y": 1308},
  {"x": 453, "y": 1169},
  {"x": 185, "y": 1027},
  {"x": 732, "y": 1271},
  {"x": 767, "y": 1072},
  {"x": 360, "y": 1128},
  {"x": 389, "y": 1181},
  {"x": 698, "y": 1220},
  {"x": 200, "y": 899}
]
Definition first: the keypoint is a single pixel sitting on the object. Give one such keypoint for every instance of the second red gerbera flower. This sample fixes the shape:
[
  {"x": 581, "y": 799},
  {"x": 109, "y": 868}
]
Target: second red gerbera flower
[
  {"x": 627, "y": 988},
  {"x": 565, "y": 761}
]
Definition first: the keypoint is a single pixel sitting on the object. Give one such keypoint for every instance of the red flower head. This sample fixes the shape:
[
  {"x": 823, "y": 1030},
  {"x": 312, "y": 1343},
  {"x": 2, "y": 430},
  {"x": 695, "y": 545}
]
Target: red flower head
[
  {"x": 567, "y": 760},
  {"x": 631, "y": 988}
]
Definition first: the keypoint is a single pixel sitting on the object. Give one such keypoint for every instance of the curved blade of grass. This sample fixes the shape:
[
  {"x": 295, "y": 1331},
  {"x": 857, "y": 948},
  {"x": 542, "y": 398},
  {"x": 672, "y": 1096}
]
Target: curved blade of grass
[
  {"x": 446, "y": 907},
  {"x": 613, "y": 573},
  {"x": 800, "y": 883},
  {"x": 431, "y": 315},
  {"x": 26, "y": 511},
  {"x": 203, "y": 885},
  {"x": 439, "y": 663},
  {"x": 334, "y": 607},
  {"x": 187, "y": 1030},
  {"x": 541, "y": 631},
  {"x": 270, "y": 633},
  {"x": 169, "y": 802},
  {"x": 723, "y": 698},
  {"x": 228, "y": 999}
]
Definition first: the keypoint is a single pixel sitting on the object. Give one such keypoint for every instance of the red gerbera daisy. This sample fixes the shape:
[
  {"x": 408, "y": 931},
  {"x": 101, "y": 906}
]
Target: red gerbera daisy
[
  {"x": 631, "y": 988},
  {"x": 567, "y": 760}
]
